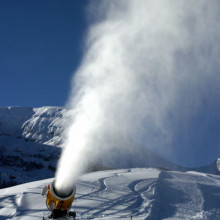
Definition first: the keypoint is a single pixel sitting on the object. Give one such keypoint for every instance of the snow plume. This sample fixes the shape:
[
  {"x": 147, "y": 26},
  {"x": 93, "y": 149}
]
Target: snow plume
[{"x": 147, "y": 66}]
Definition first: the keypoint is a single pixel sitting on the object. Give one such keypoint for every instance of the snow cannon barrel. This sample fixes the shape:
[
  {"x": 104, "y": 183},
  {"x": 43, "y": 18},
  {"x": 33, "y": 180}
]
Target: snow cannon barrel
[{"x": 59, "y": 200}]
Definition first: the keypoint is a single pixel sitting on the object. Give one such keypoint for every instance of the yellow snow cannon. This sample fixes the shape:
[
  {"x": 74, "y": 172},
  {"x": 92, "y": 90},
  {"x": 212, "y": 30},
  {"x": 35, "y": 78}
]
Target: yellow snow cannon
[{"x": 59, "y": 203}]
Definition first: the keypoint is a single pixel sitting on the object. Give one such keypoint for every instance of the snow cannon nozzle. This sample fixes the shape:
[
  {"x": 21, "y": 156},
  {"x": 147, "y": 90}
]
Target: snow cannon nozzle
[{"x": 62, "y": 193}]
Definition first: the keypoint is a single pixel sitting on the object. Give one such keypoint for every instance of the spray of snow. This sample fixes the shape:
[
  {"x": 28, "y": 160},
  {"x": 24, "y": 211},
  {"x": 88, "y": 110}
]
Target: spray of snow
[{"x": 144, "y": 61}]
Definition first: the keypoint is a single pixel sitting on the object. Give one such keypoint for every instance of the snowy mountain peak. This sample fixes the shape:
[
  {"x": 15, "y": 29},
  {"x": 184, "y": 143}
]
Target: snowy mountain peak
[
  {"x": 42, "y": 125},
  {"x": 45, "y": 126}
]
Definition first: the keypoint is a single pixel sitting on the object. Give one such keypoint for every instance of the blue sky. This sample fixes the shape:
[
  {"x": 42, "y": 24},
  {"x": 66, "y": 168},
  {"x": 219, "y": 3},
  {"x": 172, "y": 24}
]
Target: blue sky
[{"x": 41, "y": 46}]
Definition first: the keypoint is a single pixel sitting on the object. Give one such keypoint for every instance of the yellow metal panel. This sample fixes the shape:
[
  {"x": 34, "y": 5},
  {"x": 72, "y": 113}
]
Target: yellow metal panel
[{"x": 55, "y": 203}]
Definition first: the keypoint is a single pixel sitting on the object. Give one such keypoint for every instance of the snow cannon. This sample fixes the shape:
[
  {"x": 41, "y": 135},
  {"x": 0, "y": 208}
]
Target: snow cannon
[{"x": 59, "y": 202}]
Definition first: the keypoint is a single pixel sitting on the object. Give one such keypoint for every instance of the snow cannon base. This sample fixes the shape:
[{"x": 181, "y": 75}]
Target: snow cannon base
[{"x": 69, "y": 216}]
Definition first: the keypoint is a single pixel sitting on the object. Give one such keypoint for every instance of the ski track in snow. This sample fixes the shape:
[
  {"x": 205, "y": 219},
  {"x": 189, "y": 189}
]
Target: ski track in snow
[
  {"x": 142, "y": 205},
  {"x": 127, "y": 201},
  {"x": 9, "y": 204},
  {"x": 120, "y": 194}
]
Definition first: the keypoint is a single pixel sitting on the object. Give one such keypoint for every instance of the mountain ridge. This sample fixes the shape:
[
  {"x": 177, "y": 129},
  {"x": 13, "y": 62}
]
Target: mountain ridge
[{"x": 31, "y": 141}]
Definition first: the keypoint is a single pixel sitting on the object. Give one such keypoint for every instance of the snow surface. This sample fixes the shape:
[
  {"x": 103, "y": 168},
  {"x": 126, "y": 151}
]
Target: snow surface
[{"x": 119, "y": 194}]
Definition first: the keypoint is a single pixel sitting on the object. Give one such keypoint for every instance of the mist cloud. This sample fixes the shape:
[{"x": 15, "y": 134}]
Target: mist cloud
[{"x": 149, "y": 79}]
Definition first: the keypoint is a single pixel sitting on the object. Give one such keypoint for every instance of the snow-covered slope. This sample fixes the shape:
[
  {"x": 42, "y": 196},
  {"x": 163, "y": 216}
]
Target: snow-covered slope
[
  {"x": 190, "y": 195},
  {"x": 119, "y": 194},
  {"x": 214, "y": 168},
  {"x": 24, "y": 161},
  {"x": 42, "y": 125},
  {"x": 29, "y": 143}
]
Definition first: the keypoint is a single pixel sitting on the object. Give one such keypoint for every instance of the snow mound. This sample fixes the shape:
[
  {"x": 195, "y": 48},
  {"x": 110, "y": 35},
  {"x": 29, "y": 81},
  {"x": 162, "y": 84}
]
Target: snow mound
[{"x": 191, "y": 195}]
